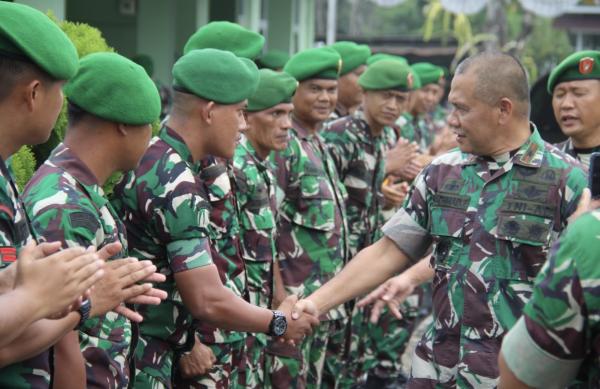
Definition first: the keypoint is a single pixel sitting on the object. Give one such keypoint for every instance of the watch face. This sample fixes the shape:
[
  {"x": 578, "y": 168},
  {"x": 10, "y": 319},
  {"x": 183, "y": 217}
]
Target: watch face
[{"x": 279, "y": 325}]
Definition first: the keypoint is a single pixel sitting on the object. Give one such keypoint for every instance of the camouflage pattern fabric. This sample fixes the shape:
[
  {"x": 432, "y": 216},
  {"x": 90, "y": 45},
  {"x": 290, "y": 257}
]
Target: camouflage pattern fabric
[
  {"x": 227, "y": 372},
  {"x": 67, "y": 204},
  {"x": 491, "y": 223},
  {"x": 556, "y": 339},
  {"x": 312, "y": 231},
  {"x": 224, "y": 233},
  {"x": 165, "y": 208},
  {"x": 582, "y": 155},
  {"x": 256, "y": 201},
  {"x": 338, "y": 112},
  {"x": 15, "y": 232},
  {"x": 439, "y": 116},
  {"x": 418, "y": 129}
]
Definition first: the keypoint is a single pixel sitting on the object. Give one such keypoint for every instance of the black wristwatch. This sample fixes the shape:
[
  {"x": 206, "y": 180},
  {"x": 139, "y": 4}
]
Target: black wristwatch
[
  {"x": 278, "y": 324},
  {"x": 84, "y": 311}
]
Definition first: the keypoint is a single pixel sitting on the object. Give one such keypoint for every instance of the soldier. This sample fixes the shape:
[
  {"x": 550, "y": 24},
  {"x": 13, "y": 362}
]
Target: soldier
[
  {"x": 553, "y": 345},
  {"x": 311, "y": 240},
  {"x": 48, "y": 283},
  {"x": 268, "y": 114},
  {"x": 111, "y": 105},
  {"x": 166, "y": 209},
  {"x": 358, "y": 145},
  {"x": 228, "y": 347},
  {"x": 575, "y": 88},
  {"x": 491, "y": 209},
  {"x": 354, "y": 62}
]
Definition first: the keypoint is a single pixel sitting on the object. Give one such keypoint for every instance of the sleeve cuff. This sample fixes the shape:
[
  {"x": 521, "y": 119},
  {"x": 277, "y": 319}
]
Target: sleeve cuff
[
  {"x": 188, "y": 254},
  {"x": 408, "y": 235},
  {"x": 534, "y": 366}
]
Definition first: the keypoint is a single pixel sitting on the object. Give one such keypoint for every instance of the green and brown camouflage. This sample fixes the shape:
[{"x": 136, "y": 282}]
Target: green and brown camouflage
[
  {"x": 491, "y": 222},
  {"x": 582, "y": 155},
  {"x": 418, "y": 129},
  {"x": 165, "y": 208},
  {"x": 67, "y": 204},
  {"x": 557, "y": 334},
  {"x": 15, "y": 232}
]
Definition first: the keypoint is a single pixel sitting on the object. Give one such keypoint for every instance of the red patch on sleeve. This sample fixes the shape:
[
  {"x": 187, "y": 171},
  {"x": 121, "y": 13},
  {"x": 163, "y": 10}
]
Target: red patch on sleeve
[{"x": 8, "y": 254}]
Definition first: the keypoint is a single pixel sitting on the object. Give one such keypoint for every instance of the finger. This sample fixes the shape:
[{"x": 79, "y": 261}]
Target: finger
[
  {"x": 89, "y": 275},
  {"x": 299, "y": 307},
  {"x": 156, "y": 277},
  {"x": 376, "y": 311},
  {"x": 110, "y": 250},
  {"x": 145, "y": 300},
  {"x": 158, "y": 293},
  {"x": 137, "y": 272},
  {"x": 48, "y": 248},
  {"x": 129, "y": 313},
  {"x": 134, "y": 290},
  {"x": 70, "y": 254},
  {"x": 393, "y": 307}
]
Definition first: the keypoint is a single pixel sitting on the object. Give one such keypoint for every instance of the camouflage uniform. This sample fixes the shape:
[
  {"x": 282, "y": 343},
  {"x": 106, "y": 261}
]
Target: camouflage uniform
[
  {"x": 15, "y": 232},
  {"x": 166, "y": 211},
  {"x": 557, "y": 336},
  {"x": 582, "y": 155},
  {"x": 67, "y": 204},
  {"x": 312, "y": 248},
  {"x": 418, "y": 129},
  {"x": 338, "y": 112},
  {"x": 439, "y": 116},
  {"x": 359, "y": 159},
  {"x": 224, "y": 229},
  {"x": 255, "y": 192},
  {"x": 491, "y": 223}
]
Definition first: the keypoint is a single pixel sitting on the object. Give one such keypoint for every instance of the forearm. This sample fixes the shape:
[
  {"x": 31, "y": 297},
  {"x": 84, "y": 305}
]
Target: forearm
[
  {"x": 279, "y": 293},
  {"x": 20, "y": 311},
  {"x": 369, "y": 268},
  {"x": 419, "y": 273},
  {"x": 69, "y": 364},
  {"x": 37, "y": 338}
]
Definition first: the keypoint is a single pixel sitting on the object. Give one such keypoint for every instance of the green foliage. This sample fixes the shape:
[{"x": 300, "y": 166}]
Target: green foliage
[
  {"x": 87, "y": 40},
  {"x": 546, "y": 46},
  {"x": 22, "y": 166}
]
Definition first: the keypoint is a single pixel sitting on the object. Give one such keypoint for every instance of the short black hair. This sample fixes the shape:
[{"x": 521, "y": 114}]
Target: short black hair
[
  {"x": 14, "y": 70},
  {"x": 498, "y": 75}
]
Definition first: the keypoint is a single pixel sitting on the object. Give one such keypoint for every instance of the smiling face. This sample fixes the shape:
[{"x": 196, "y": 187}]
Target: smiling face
[
  {"x": 575, "y": 105},
  {"x": 315, "y": 100}
]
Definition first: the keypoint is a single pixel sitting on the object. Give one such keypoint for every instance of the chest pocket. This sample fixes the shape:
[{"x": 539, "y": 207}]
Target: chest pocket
[
  {"x": 314, "y": 201},
  {"x": 223, "y": 220},
  {"x": 447, "y": 220}
]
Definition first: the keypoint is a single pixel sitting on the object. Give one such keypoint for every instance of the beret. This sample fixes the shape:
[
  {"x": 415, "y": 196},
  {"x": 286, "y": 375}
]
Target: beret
[
  {"x": 226, "y": 36},
  {"x": 216, "y": 75},
  {"x": 273, "y": 88},
  {"x": 428, "y": 73},
  {"x": 114, "y": 88},
  {"x": 582, "y": 65},
  {"x": 379, "y": 56},
  {"x": 322, "y": 62},
  {"x": 353, "y": 55},
  {"x": 144, "y": 61},
  {"x": 273, "y": 59},
  {"x": 387, "y": 74},
  {"x": 28, "y": 34}
]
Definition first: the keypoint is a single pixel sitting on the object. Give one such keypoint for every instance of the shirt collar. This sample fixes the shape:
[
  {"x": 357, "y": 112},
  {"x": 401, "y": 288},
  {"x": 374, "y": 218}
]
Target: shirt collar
[{"x": 173, "y": 139}]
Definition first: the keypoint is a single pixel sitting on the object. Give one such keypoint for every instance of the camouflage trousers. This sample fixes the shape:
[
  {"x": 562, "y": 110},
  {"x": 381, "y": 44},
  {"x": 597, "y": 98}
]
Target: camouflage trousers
[
  {"x": 255, "y": 360},
  {"x": 229, "y": 371},
  {"x": 153, "y": 363},
  {"x": 305, "y": 366}
]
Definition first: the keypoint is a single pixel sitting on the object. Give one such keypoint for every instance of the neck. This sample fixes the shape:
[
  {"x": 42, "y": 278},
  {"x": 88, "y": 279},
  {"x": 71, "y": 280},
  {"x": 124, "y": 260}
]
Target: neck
[
  {"x": 93, "y": 149},
  {"x": 261, "y": 152},
  {"x": 9, "y": 126},
  {"x": 587, "y": 141},
  {"x": 310, "y": 126},
  {"x": 512, "y": 140},
  {"x": 189, "y": 131}
]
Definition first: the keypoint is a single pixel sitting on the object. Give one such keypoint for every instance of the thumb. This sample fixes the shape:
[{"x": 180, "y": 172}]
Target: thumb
[
  {"x": 109, "y": 250},
  {"x": 303, "y": 305},
  {"x": 30, "y": 252}
]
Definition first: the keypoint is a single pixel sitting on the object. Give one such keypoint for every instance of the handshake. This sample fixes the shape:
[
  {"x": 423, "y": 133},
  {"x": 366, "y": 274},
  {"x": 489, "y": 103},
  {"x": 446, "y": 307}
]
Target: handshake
[{"x": 302, "y": 318}]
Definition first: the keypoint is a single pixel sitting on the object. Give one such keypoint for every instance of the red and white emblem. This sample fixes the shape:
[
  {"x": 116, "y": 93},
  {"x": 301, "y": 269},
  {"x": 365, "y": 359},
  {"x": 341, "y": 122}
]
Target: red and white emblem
[{"x": 586, "y": 65}]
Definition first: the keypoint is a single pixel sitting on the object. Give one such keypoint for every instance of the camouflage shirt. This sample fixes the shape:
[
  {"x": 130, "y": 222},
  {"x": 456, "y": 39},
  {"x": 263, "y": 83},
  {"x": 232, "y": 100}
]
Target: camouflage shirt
[
  {"x": 416, "y": 129},
  {"x": 312, "y": 231},
  {"x": 582, "y": 155},
  {"x": 557, "y": 336},
  {"x": 224, "y": 231},
  {"x": 67, "y": 204},
  {"x": 360, "y": 161},
  {"x": 491, "y": 223},
  {"x": 15, "y": 232},
  {"x": 255, "y": 192},
  {"x": 165, "y": 208}
]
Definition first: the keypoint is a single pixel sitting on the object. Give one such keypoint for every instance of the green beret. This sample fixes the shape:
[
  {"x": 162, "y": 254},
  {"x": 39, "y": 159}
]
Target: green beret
[
  {"x": 26, "y": 33},
  {"x": 353, "y": 55},
  {"x": 144, "y": 61},
  {"x": 273, "y": 88},
  {"x": 428, "y": 73},
  {"x": 387, "y": 74},
  {"x": 114, "y": 88},
  {"x": 582, "y": 65},
  {"x": 379, "y": 56},
  {"x": 216, "y": 75},
  {"x": 226, "y": 36},
  {"x": 273, "y": 59},
  {"x": 322, "y": 62}
]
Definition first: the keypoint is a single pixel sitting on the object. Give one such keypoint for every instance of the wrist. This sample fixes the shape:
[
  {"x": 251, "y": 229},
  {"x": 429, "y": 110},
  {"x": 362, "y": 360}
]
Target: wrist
[{"x": 278, "y": 324}]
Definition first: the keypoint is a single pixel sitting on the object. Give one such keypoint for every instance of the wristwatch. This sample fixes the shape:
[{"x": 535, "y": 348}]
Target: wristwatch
[
  {"x": 278, "y": 324},
  {"x": 84, "y": 311}
]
